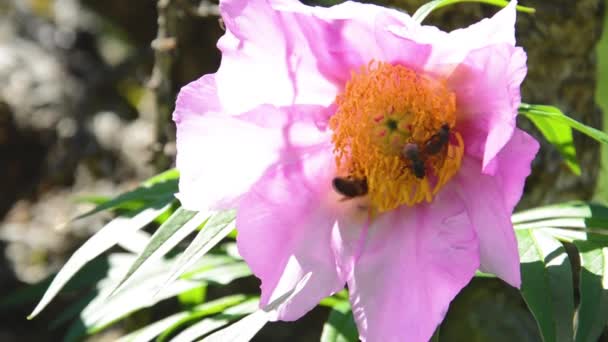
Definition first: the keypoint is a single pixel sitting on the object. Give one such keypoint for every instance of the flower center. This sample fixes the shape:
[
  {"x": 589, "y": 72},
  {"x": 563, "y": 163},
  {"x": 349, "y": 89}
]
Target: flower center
[{"x": 394, "y": 130}]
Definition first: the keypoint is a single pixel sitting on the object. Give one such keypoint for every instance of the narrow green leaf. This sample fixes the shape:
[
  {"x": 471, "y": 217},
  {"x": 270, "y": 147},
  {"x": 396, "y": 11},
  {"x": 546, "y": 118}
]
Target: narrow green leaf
[
  {"x": 201, "y": 311},
  {"x": 201, "y": 328},
  {"x": 175, "y": 229},
  {"x": 222, "y": 274},
  {"x": 193, "y": 297},
  {"x": 169, "y": 175},
  {"x": 336, "y": 299},
  {"x": 216, "y": 228},
  {"x": 480, "y": 274},
  {"x": 573, "y": 221},
  {"x": 210, "y": 324},
  {"x": 593, "y": 309},
  {"x": 241, "y": 331},
  {"x": 103, "y": 311},
  {"x": 136, "y": 241},
  {"x": 89, "y": 275},
  {"x": 555, "y": 115},
  {"x": 105, "y": 238},
  {"x": 560, "y": 136},
  {"x": 426, "y": 9},
  {"x": 245, "y": 329},
  {"x": 160, "y": 187},
  {"x": 568, "y": 209},
  {"x": 150, "y": 331},
  {"x": 340, "y": 326},
  {"x": 547, "y": 284}
]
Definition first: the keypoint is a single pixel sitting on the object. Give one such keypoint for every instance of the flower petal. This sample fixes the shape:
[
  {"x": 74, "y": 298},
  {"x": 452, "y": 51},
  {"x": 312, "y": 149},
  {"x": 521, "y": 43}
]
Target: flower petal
[
  {"x": 450, "y": 49},
  {"x": 490, "y": 201},
  {"x": 220, "y": 156},
  {"x": 266, "y": 59},
  {"x": 414, "y": 263},
  {"x": 302, "y": 54},
  {"x": 514, "y": 165},
  {"x": 284, "y": 232},
  {"x": 488, "y": 96},
  {"x": 349, "y": 35}
]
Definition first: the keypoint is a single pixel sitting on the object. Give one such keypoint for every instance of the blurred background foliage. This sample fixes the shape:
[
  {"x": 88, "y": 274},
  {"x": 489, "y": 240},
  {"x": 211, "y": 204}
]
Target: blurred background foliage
[{"x": 87, "y": 90}]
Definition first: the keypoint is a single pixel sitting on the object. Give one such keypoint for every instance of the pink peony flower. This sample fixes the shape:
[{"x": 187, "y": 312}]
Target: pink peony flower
[{"x": 413, "y": 127}]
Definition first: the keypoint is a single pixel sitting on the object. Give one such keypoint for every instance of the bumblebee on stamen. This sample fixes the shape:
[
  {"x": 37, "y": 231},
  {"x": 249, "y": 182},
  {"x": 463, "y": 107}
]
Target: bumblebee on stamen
[
  {"x": 417, "y": 157},
  {"x": 350, "y": 187}
]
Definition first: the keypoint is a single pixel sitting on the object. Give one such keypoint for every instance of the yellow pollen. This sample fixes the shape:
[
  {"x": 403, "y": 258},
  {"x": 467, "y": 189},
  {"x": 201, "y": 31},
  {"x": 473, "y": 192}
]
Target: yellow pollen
[{"x": 395, "y": 129}]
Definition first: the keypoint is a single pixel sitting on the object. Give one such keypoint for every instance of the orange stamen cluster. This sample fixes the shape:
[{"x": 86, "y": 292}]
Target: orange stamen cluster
[{"x": 383, "y": 108}]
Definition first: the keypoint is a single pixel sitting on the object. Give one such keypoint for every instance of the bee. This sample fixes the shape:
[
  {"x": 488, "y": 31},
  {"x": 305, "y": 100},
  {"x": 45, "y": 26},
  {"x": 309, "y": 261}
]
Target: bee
[
  {"x": 436, "y": 143},
  {"x": 350, "y": 187},
  {"x": 412, "y": 153},
  {"x": 417, "y": 156}
]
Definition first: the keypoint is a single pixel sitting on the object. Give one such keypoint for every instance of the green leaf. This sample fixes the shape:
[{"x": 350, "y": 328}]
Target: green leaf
[
  {"x": 175, "y": 229},
  {"x": 241, "y": 331},
  {"x": 203, "y": 310},
  {"x": 135, "y": 295},
  {"x": 547, "y": 284},
  {"x": 169, "y": 175},
  {"x": 105, "y": 238},
  {"x": 210, "y": 324},
  {"x": 556, "y": 116},
  {"x": 429, "y": 7},
  {"x": 576, "y": 209},
  {"x": 245, "y": 329},
  {"x": 223, "y": 274},
  {"x": 193, "y": 297},
  {"x": 340, "y": 326},
  {"x": 150, "y": 331},
  {"x": 593, "y": 308},
  {"x": 568, "y": 221},
  {"x": 84, "y": 278},
  {"x": 158, "y": 188},
  {"x": 560, "y": 136},
  {"x": 216, "y": 228}
]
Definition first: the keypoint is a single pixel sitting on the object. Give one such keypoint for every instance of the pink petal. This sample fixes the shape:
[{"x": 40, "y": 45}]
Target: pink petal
[
  {"x": 450, "y": 49},
  {"x": 220, "y": 156},
  {"x": 284, "y": 232},
  {"x": 283, "y": 52},
  {"x": 487, "y": 96},
  {"x": 514, "y": 165},
  {"x": 414, "y": 263},
  {"x": 490, "y": 201},
  {"x": 266, "y": 60},
  {"x": 348, "y": 36},
  {"x": 197, "y": 97},
  {"x": 349, "y": 235}
]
